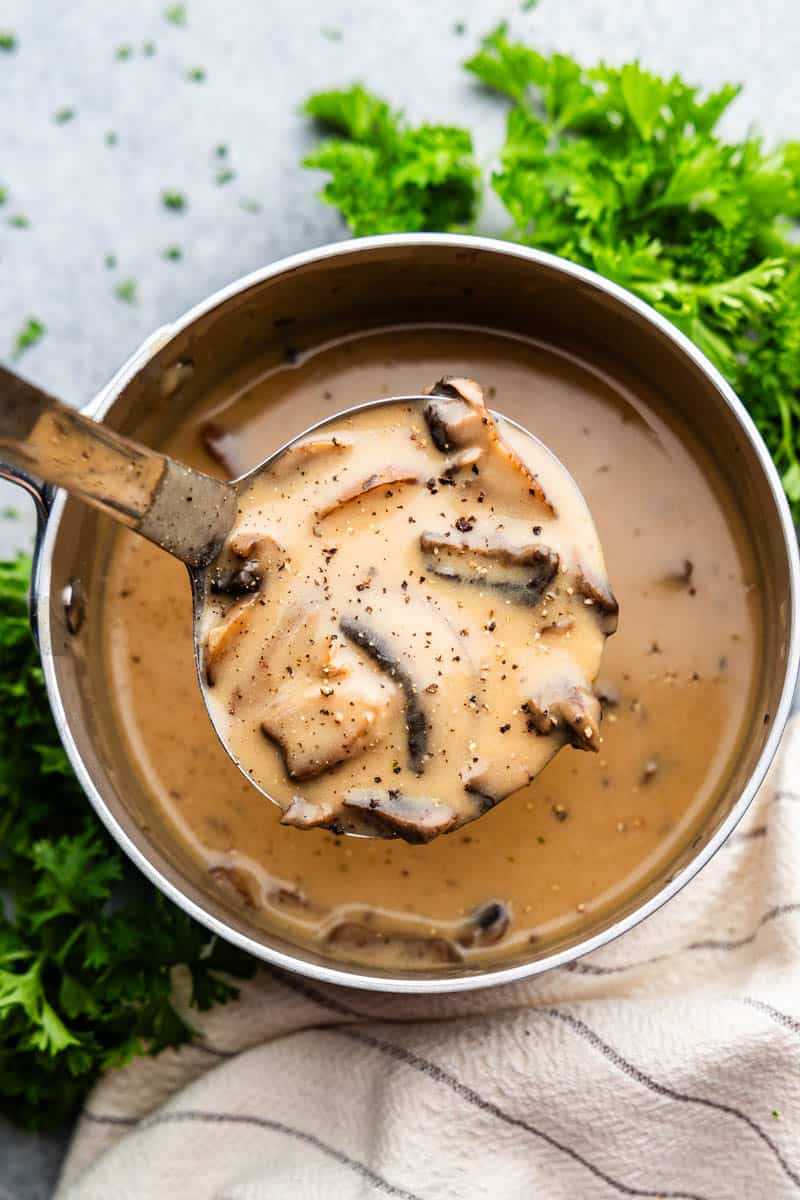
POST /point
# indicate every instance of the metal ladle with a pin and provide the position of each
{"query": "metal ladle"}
(185, 512)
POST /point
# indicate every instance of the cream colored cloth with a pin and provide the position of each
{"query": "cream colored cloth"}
(664, 1065)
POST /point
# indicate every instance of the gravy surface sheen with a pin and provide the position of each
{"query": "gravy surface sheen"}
(567, 849)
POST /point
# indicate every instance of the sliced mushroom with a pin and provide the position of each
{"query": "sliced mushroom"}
(308, 814)
(225, 448)
(486, 925)
(316, 732)
(491, 780)
(222, 638)
(355, 937)
(296, 457)
(453, 421)
(576, 713)
(601, 597)
(396, 814)
(381, 653)
(521, 572)
(391, 477)
(457, 416)
(238, 883)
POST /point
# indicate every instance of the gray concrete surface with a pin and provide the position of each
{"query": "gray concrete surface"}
(86, 200)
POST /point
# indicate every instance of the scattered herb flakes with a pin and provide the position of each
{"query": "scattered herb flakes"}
(63, 115)
(776, 1116)
(8, 42)
(10, 514)
(528, 5)
(196, 74)
(459, 28)
(332, 34)
(249, 206)
(3, 195)
(110, 262)
(386, 175)
(172, 253)
(176, 14)
(125, 290)
(148, 49)
(31, 333)
(123, 53)
(84, 985)
(19, 221)
(175, 201)
(111, 138)
(224, 175)
(221, 151)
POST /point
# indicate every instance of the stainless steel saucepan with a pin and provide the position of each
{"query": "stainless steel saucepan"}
(302, 302)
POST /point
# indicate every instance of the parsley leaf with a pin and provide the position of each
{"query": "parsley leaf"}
(176, 201)
(387, 176)
(85, 967)
(32, 332)
(126, 291)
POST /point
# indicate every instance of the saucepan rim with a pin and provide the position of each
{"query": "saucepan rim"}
(494, 975)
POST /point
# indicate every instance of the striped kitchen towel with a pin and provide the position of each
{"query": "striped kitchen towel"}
(664, 1065)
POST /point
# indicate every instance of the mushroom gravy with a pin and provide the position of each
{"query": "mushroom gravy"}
(591, 831)
(406, 620)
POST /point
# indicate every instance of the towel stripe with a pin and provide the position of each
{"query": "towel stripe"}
(221, 1118)
(582, 1029)
(465, 1092)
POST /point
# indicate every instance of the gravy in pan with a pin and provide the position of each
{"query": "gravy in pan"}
(406, 620)
(676, 682)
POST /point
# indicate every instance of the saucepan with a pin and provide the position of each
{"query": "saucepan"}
(302, 302)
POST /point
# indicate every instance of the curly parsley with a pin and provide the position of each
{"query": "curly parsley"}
(386, 176)
(622, 171)
(84, 984)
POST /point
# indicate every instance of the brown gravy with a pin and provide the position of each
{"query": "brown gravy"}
(406, 620)
(677, 677)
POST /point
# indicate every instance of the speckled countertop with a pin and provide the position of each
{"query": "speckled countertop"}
(86, 199)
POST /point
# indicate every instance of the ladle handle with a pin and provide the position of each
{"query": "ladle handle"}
(184, 511)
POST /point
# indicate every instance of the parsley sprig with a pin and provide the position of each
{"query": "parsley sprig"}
(86, 954)
(387, 176)
(624, 172)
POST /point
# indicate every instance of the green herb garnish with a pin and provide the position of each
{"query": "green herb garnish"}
(332, 34)
(196, 74)
(19, 221)
(84, 985)
(148, 49)
(176, 14)
(622, 171)
(9, 513)
(32, 332)
(249, 206)
(111, 138)
(3, 195)
(8, 42)
(110, 262)
(172, 253)
(125, 290)
(175, 201)
(62, 115)
(386, 175)
(221, 151)
(224, 175)
(123, 53)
